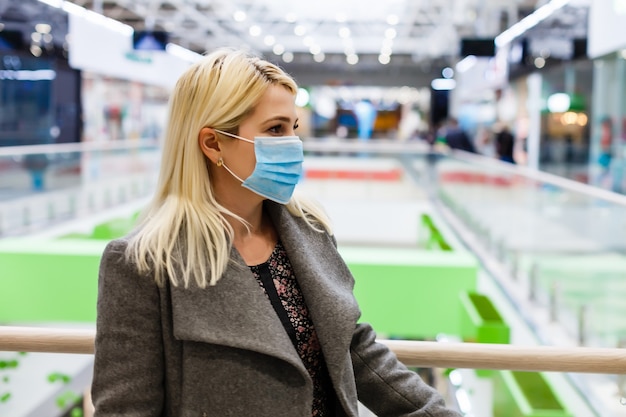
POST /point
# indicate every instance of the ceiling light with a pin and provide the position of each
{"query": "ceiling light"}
(315, 49)
(302, 97)
(344, 32)
(43, 28)
(352, 59)
(308, 41)
(390, 33)
(319, 57)
(558, 103)
(447, 72)
(384, 59)
(392, 19)
(35, 36)
(287, 57)
(239, 16)
(299, 30)
(269, 40)
(53, 3)
(255, 30)
(35, 50)
(291, 17)
(540, 62)
(466, 63)
(278, 49)
(443, 84)
(529, 21)
(340, 17)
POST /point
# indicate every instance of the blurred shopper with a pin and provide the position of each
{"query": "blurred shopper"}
(605, 156)
(505, 143)
(456, 138)
(230, 298)
(485, 142)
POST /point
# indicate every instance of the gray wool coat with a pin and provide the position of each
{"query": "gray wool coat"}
(222, 350)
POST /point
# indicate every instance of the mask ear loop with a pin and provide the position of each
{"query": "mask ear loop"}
(220, 163)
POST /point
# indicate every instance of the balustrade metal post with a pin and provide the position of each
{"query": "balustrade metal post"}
(532, 281)
(72, 205)
(51, 211)
(26, 220)
(553, 301)
(582, 324)
(514, 264)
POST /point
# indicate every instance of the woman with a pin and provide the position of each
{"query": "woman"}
(230, 298)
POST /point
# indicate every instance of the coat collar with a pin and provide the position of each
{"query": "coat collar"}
(236, 312)
(325, 281)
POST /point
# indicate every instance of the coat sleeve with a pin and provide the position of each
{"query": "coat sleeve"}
(128, 362)
(386, 386)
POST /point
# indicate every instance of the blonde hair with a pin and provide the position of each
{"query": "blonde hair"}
(183, 232)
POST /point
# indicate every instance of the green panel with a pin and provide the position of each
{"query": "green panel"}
(525, 394)
(47, 281)
(435, 238)
(410, 293)
(113, 229)
(482, 323)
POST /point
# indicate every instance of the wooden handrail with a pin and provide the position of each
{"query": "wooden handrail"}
(411, 353)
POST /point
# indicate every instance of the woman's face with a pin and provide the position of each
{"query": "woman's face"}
(274, 115)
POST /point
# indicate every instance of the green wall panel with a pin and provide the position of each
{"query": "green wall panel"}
(482, 323)
(411, 293)
(525, 394)
(49, 280)
(403, 292)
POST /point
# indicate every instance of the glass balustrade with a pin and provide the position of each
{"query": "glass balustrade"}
(548, 251)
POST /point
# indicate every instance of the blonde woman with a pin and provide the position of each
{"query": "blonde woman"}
(230, 298)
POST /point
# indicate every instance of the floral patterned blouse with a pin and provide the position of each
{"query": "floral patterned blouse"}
(277, 279)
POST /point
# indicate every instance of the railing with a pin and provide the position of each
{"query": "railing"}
(42, 185)
(554, 245)
(411, 353)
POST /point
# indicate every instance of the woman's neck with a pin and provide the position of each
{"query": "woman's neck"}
(255, 243)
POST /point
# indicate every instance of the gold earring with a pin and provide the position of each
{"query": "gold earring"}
(220, 162)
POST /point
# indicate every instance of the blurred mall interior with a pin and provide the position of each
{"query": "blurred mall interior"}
(526, 226)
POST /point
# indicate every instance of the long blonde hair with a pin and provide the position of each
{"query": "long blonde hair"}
(183, 232)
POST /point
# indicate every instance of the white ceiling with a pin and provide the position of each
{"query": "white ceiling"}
(418, 37)
(423, 28)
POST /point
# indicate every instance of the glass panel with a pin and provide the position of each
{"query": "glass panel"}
(71, 180)
(548, 252)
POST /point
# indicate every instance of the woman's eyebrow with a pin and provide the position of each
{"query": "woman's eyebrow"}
(281, 119)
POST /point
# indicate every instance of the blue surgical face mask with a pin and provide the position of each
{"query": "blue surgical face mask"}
(278, 166)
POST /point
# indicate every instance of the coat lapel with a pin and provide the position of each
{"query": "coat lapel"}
(326, 284)
(235, 312)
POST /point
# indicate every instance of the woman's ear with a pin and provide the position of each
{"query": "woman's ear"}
(209, 145)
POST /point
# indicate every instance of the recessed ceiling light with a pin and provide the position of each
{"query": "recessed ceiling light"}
(392, 19)
(239, 16)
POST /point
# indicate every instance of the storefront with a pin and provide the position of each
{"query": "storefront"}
(607, 47)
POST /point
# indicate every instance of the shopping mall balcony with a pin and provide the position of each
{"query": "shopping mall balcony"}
(499, 284)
